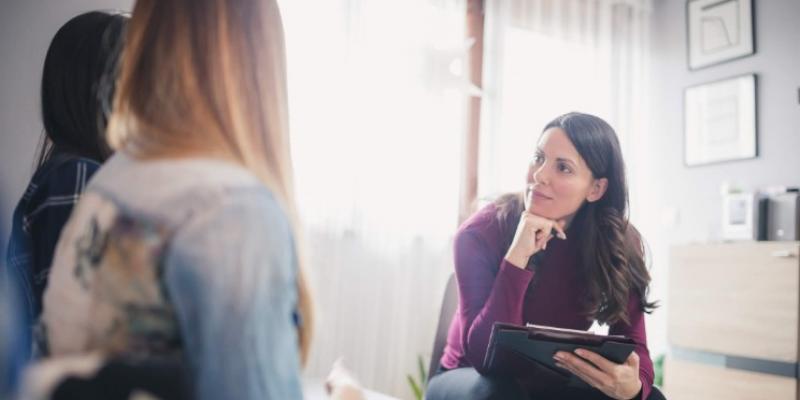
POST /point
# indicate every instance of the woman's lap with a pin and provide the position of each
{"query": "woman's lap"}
(468, 384)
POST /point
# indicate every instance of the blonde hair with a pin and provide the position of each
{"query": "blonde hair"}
(208, 77)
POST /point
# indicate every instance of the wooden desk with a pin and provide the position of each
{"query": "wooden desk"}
(733, 321)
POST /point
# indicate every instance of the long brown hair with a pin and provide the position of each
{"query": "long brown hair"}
(611, 250)
(208, 77)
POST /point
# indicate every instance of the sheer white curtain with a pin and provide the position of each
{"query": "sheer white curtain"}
(377, 107)
(543, 58)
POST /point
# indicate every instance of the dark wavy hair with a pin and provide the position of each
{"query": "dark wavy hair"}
(611, 250)
(78, 85)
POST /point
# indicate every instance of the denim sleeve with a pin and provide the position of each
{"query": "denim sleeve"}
(231, 275)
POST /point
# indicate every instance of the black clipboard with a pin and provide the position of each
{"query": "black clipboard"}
(513, 349)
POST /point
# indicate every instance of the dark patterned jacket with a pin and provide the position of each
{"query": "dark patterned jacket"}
(38, 219)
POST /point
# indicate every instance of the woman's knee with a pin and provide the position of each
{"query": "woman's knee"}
(466, 383)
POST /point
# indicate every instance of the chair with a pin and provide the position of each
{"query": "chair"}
(449, 305)
(448, 309)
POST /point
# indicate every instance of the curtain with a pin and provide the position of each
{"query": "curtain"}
(544, 58)
(377, 110)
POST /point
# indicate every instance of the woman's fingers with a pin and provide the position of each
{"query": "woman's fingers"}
(543, 243)
(619, 381)
(596, 359)
(633, 360)
(588, 379)
(583, 369)
(547, 225)
(533, 234)
(542, 229)
(558, 226)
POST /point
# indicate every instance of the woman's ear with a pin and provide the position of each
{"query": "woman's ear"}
(598, 189)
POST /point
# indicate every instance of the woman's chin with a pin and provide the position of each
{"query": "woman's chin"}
(542, 211)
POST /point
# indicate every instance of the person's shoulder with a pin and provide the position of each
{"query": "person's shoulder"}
(64, 170)
(83, 162)
(59, 182)
(175, 186)
(239, 226)
(257, 202)
(242, 199)
(239, 208)
(482, 222)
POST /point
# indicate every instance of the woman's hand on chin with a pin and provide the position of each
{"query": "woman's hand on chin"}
(533, 233)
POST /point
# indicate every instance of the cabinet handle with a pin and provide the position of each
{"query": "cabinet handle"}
(784, 254)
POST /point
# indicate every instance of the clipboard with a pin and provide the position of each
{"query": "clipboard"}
(515, 349)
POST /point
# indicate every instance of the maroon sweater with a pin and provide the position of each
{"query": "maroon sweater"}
(493, 290)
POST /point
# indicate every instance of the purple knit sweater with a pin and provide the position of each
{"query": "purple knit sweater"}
(493, 290)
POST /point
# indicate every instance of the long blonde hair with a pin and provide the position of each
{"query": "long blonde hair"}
(208, 77)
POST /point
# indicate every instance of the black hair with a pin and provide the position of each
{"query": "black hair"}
(78, 85)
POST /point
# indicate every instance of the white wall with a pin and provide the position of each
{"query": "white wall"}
(26, 27)
(694, 193)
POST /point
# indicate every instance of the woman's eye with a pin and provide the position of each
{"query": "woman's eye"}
(564, 168)
(537, 159)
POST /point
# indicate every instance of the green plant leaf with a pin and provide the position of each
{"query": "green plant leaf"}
(658, 366)
(414, 387)
(423, 376)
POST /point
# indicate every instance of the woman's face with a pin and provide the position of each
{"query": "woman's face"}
(559, 180)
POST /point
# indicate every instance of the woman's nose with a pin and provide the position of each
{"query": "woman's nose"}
(540, 175)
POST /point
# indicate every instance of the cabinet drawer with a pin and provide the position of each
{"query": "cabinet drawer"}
(685, 380)
(736, 298)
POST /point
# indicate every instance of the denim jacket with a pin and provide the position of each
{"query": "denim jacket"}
(189, 258)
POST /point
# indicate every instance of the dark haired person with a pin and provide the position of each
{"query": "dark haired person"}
(562, 253)
(77, 84)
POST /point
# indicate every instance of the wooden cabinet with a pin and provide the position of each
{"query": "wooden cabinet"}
(686, 380)
(734, 309)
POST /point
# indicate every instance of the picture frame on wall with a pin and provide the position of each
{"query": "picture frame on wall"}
(720, 121)
(719, 31)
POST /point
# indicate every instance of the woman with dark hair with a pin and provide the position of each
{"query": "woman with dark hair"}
(510, 269)
(77, 84)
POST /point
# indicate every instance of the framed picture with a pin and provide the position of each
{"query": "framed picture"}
(720, 121)
(718, 31)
